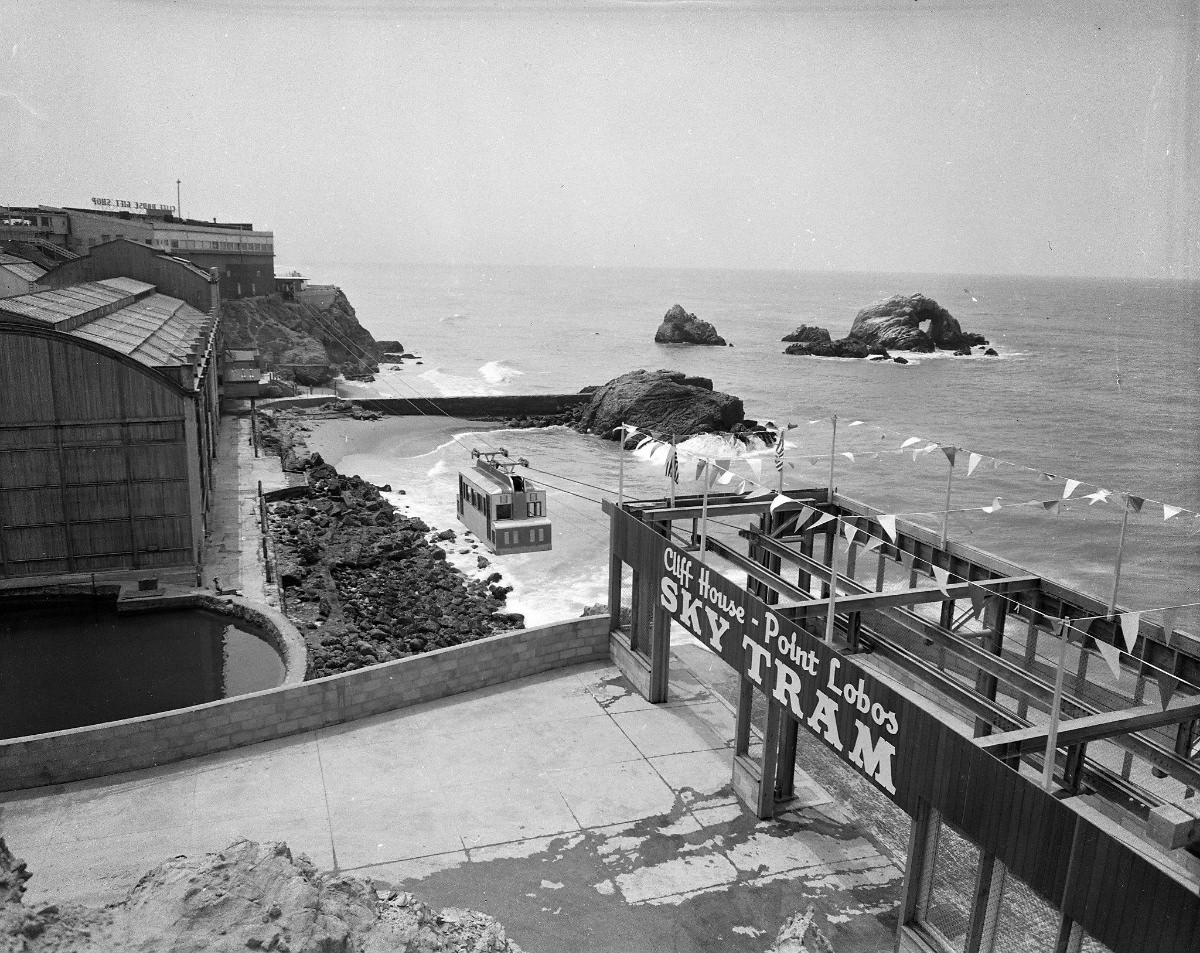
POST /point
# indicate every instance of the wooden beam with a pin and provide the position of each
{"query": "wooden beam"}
(756, 570)
(677, 512)
(1093, 727)
(909, 597)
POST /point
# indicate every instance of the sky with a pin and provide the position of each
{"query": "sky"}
(1020, 137)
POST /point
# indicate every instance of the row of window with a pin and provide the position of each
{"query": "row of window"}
(513, 537)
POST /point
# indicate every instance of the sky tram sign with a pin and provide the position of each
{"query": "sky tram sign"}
(850, 710)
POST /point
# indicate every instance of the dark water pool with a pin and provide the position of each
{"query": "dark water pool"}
(73, 664)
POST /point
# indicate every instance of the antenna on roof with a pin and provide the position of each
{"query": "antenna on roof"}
(178, 202)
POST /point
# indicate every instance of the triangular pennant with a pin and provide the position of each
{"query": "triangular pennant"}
(1129, 628)
(1134, 502)
(817, 421)
(993, 508)
(849, 530)
(824, 518)
(742, 487)
(642, 443)
(973, 462)
(725, 478)
(888, 524)
(906, 560)
(942, 578)
(930, 448)
(1169, 511)
(755, 465)
(872, 456)
(951, 453)
(805, 513)
(873, 543)
(1169, 617)
(701, 465)
(978, 600)
(1059, 625)
(1070, 488)
(1112, 655)
(1046, 477)
(909, 442)
(813, 461)
(779, 500)
(849, 456)
(1051, 506)
(1098, 497)
(792, 426)
(856, 423)
(1166, 687)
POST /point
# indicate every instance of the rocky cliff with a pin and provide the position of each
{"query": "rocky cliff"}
(315, 340)
(896, 324)
(668, 401)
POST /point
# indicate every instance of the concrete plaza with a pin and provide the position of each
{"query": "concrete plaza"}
(565, 805)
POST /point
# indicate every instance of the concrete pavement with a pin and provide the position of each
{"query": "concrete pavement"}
(580, 815)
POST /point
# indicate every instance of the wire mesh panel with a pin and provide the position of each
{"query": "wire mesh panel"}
(952, 884)
(1025, 922)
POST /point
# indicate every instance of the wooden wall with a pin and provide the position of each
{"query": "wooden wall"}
(93, 460)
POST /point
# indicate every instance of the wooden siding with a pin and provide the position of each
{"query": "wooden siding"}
(93, 460)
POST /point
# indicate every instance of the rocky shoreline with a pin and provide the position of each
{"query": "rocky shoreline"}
(364, 583)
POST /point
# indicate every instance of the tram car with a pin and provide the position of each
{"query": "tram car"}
(502, 508)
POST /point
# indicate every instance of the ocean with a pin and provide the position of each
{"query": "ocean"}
(1096, 381)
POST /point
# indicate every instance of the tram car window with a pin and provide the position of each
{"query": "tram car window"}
(503, 509)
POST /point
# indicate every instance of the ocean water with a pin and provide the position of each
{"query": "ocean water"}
(1097, 381)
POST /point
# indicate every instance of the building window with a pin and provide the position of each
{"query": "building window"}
(228, 272)
(215, 245)
(174, 242)
(535, 508)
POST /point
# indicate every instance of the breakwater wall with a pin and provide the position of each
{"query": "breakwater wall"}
(134, 743)
(470, 408)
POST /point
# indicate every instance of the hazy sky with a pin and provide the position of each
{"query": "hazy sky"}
(1050, 136)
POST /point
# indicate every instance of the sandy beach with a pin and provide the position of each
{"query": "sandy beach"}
(335, 436)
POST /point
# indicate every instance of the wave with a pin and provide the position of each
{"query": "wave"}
(450, 385)
(496, 372)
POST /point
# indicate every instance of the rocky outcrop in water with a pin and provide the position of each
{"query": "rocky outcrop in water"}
(247, 897)
(806, 335)
(314, 343)
(896, 324)
(679, 327)
(666, 401)
(846, 347)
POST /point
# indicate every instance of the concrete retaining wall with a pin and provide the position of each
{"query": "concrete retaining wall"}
(152, 740)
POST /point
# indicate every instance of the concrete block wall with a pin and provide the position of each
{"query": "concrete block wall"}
(162, 738)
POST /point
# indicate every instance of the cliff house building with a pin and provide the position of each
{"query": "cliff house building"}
(108, 415)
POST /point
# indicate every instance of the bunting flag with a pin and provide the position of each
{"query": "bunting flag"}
(888, 524)
(849, 530)
(727, 477)
(779, 500)
(993, 508)
(1134, 502)
(973, 462)
(1070, 488)
(942, 578)
(824, 518)
(701, 465)
(1112, 655)
(873, 543)
(1166, 687)
(779, 453)
(813, 461)
(1052, 506)
(906, 560)
(1129, 628)
(978, 600)
(1169, 617)
(755, 464)
(742, 487)
(1100, 496)
(856, 423)
(642, 443)
(671, 467)
(929, 449)
(909, 442)
(849, 456)
(1046, 477)
(951, 453)
(1169, 511)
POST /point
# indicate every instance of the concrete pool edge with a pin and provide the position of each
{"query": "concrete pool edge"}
(151, 740)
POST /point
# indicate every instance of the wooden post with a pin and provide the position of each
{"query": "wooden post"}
(621, 471)
(1112, 601)
(832, 456)
(833, 580)
(674, 459)
(1055, 707)
(779, 459)
(949, 486)
(704, 514)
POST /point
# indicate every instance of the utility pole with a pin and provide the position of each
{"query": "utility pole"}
(178, 203)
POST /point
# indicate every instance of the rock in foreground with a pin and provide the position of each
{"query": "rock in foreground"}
(679, 327)
(247, 897)
(896, 324)
(666, 401)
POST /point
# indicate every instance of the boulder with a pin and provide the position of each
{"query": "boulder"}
(806, 335)
(896, 323)
(846, 347)
(667, 401)
(679, 327)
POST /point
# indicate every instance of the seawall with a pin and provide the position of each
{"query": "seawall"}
(469, 408)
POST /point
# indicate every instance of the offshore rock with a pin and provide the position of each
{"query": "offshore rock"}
(249, 897)
(666, 401)
(846, 347)
(896, 323)
(679, 327)
(806, 335)
(314, 339)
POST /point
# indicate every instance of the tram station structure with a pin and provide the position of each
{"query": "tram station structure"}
(1052, 806)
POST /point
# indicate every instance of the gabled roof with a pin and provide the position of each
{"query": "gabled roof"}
(123, 314)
